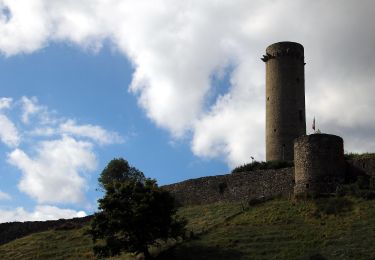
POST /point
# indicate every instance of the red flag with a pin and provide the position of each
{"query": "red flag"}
(313, 125)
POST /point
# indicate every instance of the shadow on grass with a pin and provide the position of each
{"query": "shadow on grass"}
(200, 252)
(334, 206)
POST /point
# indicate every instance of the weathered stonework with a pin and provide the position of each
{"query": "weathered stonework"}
(252, 185)
(319, 158)
(285, 99)
(363, 165)
(242, 186)
(319, 164)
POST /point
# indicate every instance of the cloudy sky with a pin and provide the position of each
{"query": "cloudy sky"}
(174, 87)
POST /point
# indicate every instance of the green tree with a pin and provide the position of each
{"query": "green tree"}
(119, 170)
(134, 214)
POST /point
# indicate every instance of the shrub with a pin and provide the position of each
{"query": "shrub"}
(358, 189)
(350, 156)
(262, 166)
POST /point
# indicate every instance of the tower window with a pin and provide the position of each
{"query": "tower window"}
(268, 98)
(274, 129)
(300, 115)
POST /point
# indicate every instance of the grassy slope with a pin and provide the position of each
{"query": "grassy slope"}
(76, 244)
(281, 229)
(53, 244)
(278, 229)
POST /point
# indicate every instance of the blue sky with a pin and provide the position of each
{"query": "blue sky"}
(174, 87)
(91, 88)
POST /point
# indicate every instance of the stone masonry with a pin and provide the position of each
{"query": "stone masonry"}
(285, 99)
(251, 185)
(243, 186)
(319, 164)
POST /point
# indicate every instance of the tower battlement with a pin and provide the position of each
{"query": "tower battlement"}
(284, 49)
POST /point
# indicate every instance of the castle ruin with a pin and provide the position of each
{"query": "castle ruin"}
(285, 99)
(319, 163)
(318, 158)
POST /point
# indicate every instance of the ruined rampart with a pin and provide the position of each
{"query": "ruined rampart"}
(246, 186)
(242, 186)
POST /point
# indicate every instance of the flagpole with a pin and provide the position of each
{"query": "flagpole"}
(313, 125)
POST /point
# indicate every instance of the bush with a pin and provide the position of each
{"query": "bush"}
(367, 194)
(350, 156)
(262, 166)
(358, 189)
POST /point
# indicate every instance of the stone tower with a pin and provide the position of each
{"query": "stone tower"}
(285, 99)
(319, 164)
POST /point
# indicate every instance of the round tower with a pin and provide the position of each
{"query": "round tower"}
(285, 99)
(319, 164)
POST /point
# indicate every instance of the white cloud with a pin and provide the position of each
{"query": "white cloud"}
(8, 132)
(60, 151)
(177, 46)
(43, 131)
(40, 213)
(4, 196)
(5, 102)
(93, 132)
(29, 107)
(26, 30)
(223, 131)
(54, 174)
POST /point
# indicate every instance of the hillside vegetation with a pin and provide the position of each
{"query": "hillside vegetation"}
(330, 228)
(255, 166)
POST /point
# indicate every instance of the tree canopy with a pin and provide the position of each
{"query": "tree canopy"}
(134, 213)
(119, 170)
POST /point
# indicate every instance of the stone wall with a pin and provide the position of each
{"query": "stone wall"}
(242, 186)
(245, 186)
(362, 165)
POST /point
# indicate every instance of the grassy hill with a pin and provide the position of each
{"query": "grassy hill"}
(330, 228)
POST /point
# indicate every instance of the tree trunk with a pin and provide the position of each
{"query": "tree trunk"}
(146, 254)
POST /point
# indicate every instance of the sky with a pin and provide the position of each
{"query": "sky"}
(174, 87)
